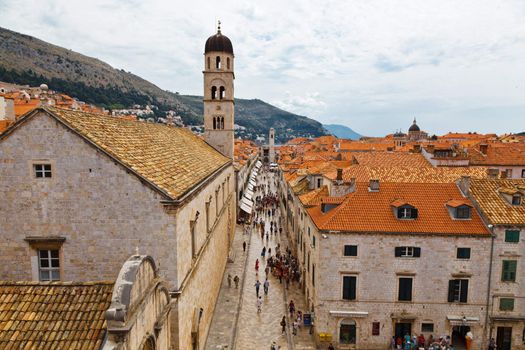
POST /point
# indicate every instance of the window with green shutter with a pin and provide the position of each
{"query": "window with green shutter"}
(506, 304)
(508, 273)
(512, 236)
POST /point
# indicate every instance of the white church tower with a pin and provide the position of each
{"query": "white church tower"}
(271, 145)
(218, 93)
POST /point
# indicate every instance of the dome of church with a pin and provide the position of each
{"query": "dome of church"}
(414, 127)
(218, 42)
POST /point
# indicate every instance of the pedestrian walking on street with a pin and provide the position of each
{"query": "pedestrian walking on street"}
(266, 286)
(259, 305)
(244, 247)
(229, 281)
(236, 280)
(257, 265)
(257, 286)
(331, 347)
(283, 325)
(266, 270)
(291, 306)
(263, 252)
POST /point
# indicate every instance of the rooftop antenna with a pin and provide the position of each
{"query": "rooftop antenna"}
(136, 250)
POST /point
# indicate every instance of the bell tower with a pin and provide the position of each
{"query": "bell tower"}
(218, 93)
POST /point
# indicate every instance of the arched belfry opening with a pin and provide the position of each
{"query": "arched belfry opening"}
(218, 62)
(213, 92)
(222, 92)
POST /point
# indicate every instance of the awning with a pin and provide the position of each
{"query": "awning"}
(342, 313)
(250, 186)
(461, 320)
(249, 194)
(252, 182)
(258, 164)
(247, 201)
(246, 208)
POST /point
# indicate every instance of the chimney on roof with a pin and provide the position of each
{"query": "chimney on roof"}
(492, 173)
(339, 177)
(373, 185)
(483, 148)
(464, 184)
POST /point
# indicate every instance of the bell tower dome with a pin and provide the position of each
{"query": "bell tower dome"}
(218, 93)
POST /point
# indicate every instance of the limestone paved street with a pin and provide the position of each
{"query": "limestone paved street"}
(247, 329)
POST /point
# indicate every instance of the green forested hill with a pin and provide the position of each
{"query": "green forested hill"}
(27, 60)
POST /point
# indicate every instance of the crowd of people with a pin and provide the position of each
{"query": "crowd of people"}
(420, 342)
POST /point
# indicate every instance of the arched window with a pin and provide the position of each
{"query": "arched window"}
(347, 332)
(227, 63)
(222, 92)
(218, 62)
(213, 92)
(214, 123)
(222, 123)
(208, 63)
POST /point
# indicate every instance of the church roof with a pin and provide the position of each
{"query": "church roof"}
(414, 126)
(218, 42)
(171, 159)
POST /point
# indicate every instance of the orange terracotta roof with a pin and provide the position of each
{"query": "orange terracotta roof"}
(364, 211)
(498, 154)
(363, 173)
(493, 204)
(454, 203)
(314, 197)
(384, 159)
(57, 315)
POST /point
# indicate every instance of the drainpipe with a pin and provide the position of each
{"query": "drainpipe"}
(485, 338)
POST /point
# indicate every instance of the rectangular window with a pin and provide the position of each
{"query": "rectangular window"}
(313, 275)
(463, 253)
(408, 252)
(427, 328)
(457, 291)
(349, 287)
(523, 173)
(509, 173)
(516, 200)
(463, 212)
(376, 326)
(508, 271)
(49, 265)
(506, 304)
(42, 170)
(512, 236)
(405, 289)
(313, 241)
(350, 250)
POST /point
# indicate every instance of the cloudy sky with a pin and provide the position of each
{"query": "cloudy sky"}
(372, 65)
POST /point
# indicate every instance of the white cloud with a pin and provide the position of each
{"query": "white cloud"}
(376, 63)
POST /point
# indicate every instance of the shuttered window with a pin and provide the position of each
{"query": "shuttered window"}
(508, 273)
(512, 236)
(405, 289)
(458, 291)
(410, 252)
(350, 250)
(349, 287)
(506, 304)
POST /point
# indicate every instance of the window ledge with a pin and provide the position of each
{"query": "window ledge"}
(45, 240)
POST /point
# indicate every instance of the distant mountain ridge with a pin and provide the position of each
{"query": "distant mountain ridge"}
(28, 60)
(342, 131)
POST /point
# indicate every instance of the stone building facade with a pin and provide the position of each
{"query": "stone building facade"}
(502, 205)
(334, 253)
(115, 186)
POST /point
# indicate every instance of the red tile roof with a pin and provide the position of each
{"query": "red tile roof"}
(364, 211)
